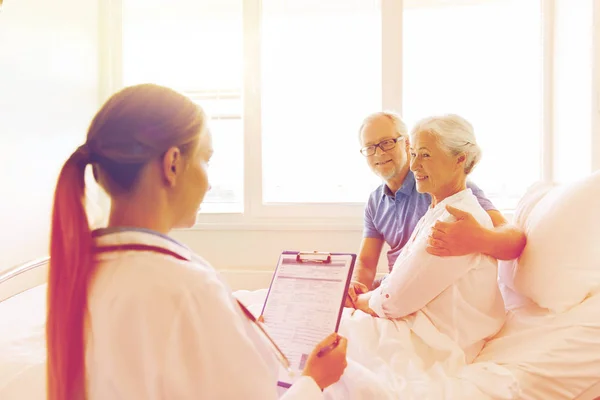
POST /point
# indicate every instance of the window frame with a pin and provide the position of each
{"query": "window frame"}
(391, 99)
(255, 213)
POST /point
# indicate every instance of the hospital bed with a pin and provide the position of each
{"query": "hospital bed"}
(553, 351)
(22, 324)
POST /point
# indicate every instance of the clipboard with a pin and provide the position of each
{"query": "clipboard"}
(304, 302)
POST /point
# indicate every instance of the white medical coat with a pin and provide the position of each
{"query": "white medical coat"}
(164, 328)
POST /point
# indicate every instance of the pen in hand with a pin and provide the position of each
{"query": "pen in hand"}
(351, 301)
(329, 348)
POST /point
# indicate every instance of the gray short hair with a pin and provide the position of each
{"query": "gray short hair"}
(455, 135)
(394, 117)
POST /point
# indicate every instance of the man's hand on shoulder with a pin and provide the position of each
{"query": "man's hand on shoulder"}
(457, 238)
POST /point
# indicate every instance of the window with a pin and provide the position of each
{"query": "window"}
(288, 82)
(173, 44)
(573, 90)
(472, 65)
(321, 75)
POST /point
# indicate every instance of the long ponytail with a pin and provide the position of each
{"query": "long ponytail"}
(71, 269)
(134, 126)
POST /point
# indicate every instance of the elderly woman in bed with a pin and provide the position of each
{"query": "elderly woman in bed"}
(459, 295)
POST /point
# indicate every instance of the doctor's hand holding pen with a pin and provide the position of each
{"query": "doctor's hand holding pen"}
(327, 362)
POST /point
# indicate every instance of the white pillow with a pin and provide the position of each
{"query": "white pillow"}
(560, 265)
(507, 269)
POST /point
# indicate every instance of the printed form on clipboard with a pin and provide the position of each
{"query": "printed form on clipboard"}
(304, 304)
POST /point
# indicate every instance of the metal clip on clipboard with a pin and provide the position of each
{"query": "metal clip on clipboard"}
(313, 256)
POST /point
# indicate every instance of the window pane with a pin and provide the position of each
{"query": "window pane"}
(227, 164)
(173, 43)
(321, 75)
(225, 169)
(465, 59)
(573, 90)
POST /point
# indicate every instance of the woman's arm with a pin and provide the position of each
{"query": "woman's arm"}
(416, 280)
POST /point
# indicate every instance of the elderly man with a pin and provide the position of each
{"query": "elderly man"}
(395, 207)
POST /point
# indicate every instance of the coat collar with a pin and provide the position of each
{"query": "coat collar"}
(119, 236)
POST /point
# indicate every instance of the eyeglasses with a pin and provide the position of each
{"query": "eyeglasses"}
(384, 145)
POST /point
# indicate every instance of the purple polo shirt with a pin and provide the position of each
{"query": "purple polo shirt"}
(393, 218)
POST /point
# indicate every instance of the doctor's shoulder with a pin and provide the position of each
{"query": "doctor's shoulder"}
(163, 275)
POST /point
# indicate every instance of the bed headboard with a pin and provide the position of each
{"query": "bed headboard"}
(23, 277)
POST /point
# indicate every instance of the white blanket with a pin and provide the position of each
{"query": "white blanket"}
(407, 359)
(410, 359)
(552, 357)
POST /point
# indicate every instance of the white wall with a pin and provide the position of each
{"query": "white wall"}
(247, 258)
(48, 94)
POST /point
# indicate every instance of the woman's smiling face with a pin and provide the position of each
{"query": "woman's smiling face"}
(436, 171)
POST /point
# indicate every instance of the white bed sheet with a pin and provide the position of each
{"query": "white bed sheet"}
(383, 363)
(22, 345)
(553, 357)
